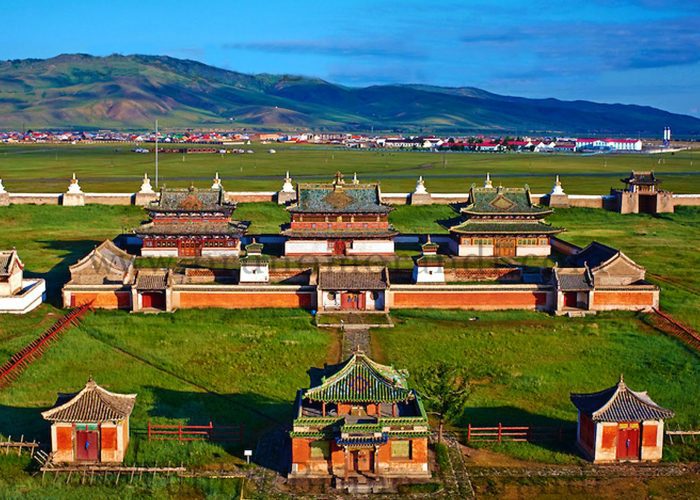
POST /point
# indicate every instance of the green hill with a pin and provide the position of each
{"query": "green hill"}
(82, 91)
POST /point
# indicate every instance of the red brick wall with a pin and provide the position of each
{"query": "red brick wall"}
(301, 451)
(609, 437)
(476, 300)
(245, 300)
(624, 298)
(103, 300)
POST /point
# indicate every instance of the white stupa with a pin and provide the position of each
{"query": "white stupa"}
(74, 187)
(354, 179)
(146, 187)
(420, 186)
(217, 182)
(557, 189)
(287, 187)
(2, 188)
(487, 182)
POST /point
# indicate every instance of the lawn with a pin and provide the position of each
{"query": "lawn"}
(112, 167)
(524, 365)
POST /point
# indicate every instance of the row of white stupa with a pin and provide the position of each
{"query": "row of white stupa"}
(287, 187)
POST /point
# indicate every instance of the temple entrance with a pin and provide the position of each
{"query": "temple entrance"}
(647, 203)
(362, 460)
(628, 441)
(352, 301)
(87, 445)
(189, 248)
(339, 247)
(153, 300)
(504, 247)
(570, 299)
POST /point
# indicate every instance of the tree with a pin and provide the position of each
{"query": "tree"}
(445, 389)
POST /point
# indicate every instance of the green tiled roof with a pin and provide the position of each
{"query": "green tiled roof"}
(191, 199)
(361, 380)
(512, 228)
(500, 200)
(337, 198)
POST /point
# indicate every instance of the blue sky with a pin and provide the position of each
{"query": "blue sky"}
(628, 51)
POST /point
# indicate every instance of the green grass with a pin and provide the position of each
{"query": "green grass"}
(524, 365)
(110, 168)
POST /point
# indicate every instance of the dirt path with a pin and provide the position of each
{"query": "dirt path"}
(354, 338)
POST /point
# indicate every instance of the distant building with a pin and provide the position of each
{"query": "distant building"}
(502, 222)
(339, 219)
(191, 223)
(90, 426)
(642, 195)
(614, 144)
(619, 424)
(360, 422)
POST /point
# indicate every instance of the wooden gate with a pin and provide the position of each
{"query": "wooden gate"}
(189, 248)
(87, 445)
(504, 247)
(339, 247)
(153, 300)
(354, 301)
(628, 436)
(362, 460)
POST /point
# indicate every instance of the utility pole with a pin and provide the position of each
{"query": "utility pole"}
(156, 154)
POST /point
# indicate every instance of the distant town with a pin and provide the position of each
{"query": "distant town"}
(476, 143)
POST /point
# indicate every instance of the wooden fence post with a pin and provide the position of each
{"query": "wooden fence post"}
(179, 432)
(500, 431)
(469, 432)
(149, 430)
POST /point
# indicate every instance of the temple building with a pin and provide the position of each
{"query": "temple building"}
(429, 267)
(642, 195)
(17, 294)
(619, 424)
(339, 219)
(90, 426)
(103, 277)
(502, 222)
(191, 223)
(599, 277)
(352, 289)
(360, 422)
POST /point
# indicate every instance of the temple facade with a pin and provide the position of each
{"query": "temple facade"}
(17, 294)
(90, 426)
(352, 289)
(620, 425)
(642, 194)
(339, 218)
(191, 223)
(360, 421)
(502, 222)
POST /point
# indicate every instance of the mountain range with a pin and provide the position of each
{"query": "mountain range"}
(129, 92)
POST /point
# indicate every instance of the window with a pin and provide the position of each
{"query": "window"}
(331, 296)
(320, 450)
(401, 449)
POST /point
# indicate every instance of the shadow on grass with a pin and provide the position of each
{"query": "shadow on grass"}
(548, 433)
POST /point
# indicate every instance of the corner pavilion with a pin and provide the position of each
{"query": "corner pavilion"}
(618, 424)
(90, 426)
(360, 421)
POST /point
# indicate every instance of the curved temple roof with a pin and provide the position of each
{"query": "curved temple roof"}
(619, 404)
(93, 404)
(361, 380)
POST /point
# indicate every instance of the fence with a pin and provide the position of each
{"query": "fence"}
(681, 435)
(526, 433)
(210, 432)
(11, 369)
(20, 446)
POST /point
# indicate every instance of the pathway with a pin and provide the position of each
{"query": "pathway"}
(356, 337)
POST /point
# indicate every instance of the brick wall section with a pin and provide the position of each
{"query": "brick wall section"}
(623, 299)
(249, 300)
(494, 300)
(103, 300)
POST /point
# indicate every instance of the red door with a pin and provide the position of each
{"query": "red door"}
(339, 247)
(189, 248)
(362, 460)
(349, 300)
(570, 299)
(87, 443)
(628, 441)
(154, 300)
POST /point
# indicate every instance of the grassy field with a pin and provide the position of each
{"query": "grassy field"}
(108, 168)
(524, 365)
